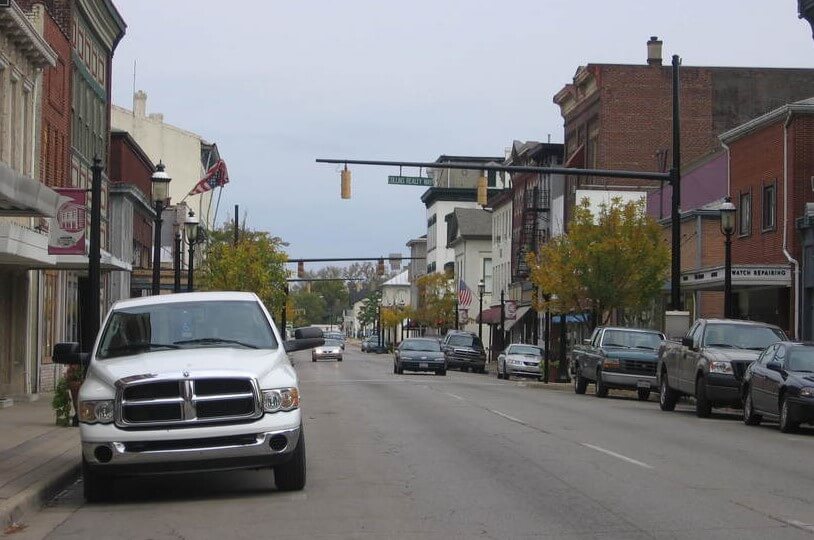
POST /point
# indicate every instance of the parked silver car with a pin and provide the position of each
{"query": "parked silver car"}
(521, 360)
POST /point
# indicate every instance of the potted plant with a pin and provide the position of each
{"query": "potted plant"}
(61, 402)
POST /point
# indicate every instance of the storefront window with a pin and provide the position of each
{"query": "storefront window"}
(745, 214)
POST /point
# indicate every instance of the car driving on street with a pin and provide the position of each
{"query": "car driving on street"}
(780, 385)
(189, 382)
(419, 354)
(520, 360)
(332, 349)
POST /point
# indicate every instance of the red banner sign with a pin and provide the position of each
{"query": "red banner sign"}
(67, 233)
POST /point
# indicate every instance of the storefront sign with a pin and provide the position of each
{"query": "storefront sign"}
(67, 232)
(510, 310)
(742, 276)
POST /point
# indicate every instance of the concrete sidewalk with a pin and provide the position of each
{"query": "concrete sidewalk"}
(37, 458)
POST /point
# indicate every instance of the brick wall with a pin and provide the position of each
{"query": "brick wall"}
(56, 107)
(756, 161)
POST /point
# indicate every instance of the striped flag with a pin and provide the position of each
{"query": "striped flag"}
(216, 176)
(464, 295)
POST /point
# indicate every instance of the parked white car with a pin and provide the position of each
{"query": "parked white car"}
(520, 360)
(190, 382)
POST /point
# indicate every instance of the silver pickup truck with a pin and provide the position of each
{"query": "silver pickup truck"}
(623, 358)
(710, 361)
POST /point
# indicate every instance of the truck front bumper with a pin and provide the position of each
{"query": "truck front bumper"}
(724, 389)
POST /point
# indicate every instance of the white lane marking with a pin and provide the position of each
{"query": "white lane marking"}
(455, 396)
(618, 456)
(507, 417)
(799, 524)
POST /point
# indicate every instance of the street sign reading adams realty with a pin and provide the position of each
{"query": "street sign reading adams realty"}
(410, 181)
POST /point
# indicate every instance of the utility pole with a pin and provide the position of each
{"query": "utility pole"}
(675, 181)
(237, 230)
(94, 257)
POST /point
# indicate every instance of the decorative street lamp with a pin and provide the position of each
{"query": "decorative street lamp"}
(161, 185)
(727, 210)
(481, 289)
(192, 229)
(805, 9)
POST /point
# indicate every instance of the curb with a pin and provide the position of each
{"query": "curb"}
(34, 497)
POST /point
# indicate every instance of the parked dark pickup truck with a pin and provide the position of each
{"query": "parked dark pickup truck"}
(710, 362)
(622, 358)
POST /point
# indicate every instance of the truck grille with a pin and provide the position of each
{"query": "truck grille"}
(639, 367)
(148, 402)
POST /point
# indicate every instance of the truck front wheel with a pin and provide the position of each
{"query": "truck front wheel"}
(290, 476)
(703, 406)
(96, 486)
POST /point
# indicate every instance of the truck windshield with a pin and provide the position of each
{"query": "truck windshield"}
(741, 336)
(465, 341)
(631, 340)
(177, 325)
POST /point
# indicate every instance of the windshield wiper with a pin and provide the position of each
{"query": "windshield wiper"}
(645, 347)
(139, 346)
(208, 340)
(755, 348)
(724, 345)
(615, 345)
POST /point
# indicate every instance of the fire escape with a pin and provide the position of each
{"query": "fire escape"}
(535, 224)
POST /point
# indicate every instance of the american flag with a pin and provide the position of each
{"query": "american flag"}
(464, 295)
(216, 176)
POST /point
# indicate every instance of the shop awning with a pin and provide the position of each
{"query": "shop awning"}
(490, 316)
(80, 262)
(23, 196)
(521, 312)
(21, 246)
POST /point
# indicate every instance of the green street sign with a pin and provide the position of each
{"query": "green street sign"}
(409, 181)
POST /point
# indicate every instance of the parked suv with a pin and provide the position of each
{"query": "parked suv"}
(464, 350)
(189, 382)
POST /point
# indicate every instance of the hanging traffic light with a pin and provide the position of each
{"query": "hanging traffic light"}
(300, 269)
(482, 191)
(346, 183)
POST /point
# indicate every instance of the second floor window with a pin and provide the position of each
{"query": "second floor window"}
(745, 214)
(769, 206)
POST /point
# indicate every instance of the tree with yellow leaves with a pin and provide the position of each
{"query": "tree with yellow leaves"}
(614, 260)
(436, 302)
(256, 264)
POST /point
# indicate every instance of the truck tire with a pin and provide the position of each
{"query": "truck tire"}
(703, 406)
(600, 390)
(667, 396)
(96, 486)
(580, 382)
(290, 476)
(750, 417)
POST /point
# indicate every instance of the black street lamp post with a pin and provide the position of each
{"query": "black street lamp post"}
(176, 283)
(727, 210)
(94, 257)
(192, 229)
(481, 289)
(160, 184)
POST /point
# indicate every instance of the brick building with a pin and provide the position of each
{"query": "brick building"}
(771, 178)
(620, 116)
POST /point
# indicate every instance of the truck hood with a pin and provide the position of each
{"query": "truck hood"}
(731, 355)
(200, 361)
(624, 353)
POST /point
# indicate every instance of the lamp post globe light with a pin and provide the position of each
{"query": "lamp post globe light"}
(160, 186)
(805, 9)
(192, 230)
(727, 210)
(481, 289)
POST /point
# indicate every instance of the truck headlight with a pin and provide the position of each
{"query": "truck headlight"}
(611, 363)
(807, 392)
(281, 399)
(721, 367)
(97, 411)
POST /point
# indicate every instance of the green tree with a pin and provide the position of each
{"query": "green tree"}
(308, 308)
(256, 264)
(369, 313)
(436, 301)
(614, 261)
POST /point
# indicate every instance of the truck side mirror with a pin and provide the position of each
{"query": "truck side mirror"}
(304, 338)
(69, 353)
(586, 341)
(687, 342)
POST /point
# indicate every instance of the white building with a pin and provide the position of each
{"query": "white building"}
(396, 294)
(24, 201)
(470, 237)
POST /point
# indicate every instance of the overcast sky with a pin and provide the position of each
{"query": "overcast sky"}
(278, 84)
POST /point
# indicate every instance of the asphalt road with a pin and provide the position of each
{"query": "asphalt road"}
(469, 456)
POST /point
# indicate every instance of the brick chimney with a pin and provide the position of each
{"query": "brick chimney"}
(654, 51)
